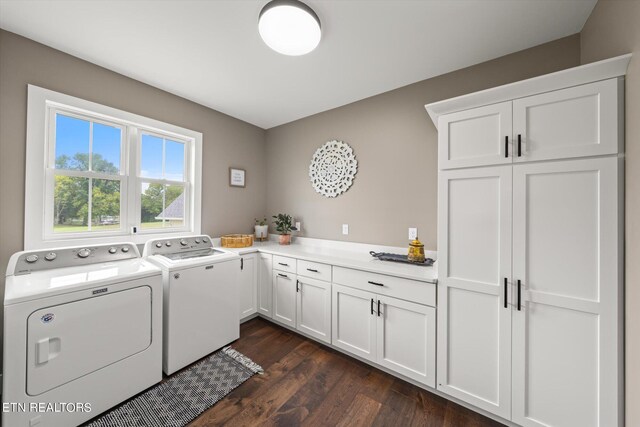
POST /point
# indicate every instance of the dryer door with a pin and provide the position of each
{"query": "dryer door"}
(71, 340)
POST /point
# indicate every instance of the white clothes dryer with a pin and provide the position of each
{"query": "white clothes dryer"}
(82, 333)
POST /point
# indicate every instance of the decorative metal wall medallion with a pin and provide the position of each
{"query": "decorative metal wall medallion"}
(333, 168)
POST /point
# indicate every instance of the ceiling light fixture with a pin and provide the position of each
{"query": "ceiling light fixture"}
(289, 27)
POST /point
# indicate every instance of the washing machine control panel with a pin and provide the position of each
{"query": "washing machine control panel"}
(47, 259)
(178, 244)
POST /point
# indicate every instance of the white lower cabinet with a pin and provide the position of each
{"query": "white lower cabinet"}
(406, 338)
(313, 315)
(397, 334)
(265, 286)
(284, 298)
(248, 280)
(353, 321)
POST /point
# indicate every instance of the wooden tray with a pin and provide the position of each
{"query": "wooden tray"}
(236, 240)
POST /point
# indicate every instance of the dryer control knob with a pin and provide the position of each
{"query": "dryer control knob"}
(183, 242)
(125, 249)
(50, 256)
(204, 240)
(197, 240)
(113, 250)
(158, 245)
(83, 253)
(32, 258)
(168, 244)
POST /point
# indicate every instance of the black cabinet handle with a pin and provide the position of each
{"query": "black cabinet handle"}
(371, 305)
(283, 264)
(297, 285)
(505, 292)
(312, 270)
(378, 308)
(506, 146)
(241, 263)
(283, 275)
(375, 283)
(519, 145)
(519, 292)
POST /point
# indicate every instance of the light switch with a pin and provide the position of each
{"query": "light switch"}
(413, 233)
(345, 229)
(298, 225)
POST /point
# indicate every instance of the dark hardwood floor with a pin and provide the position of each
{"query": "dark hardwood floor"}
(306, 383)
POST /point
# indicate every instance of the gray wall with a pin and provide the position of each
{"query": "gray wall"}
(614, 29)
(395, 144)
(226, 141)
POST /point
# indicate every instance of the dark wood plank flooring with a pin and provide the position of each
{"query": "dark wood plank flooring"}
(306, 383)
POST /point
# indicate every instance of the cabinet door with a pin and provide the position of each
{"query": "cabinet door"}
(566, 338)
(265, 287)
(314, 308)
(575, 122)
(354, 321)
(476, 137)
(284, 298)
(474, 317)
(407, 338)
(248, 285)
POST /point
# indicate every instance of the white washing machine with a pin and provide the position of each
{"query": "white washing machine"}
(82, 333)
(200, 304)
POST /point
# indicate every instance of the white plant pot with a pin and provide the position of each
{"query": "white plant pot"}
(262, 231)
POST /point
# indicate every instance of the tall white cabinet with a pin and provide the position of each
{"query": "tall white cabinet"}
(530, 248)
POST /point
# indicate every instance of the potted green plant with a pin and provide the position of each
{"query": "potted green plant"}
(261, 229)
(284, 226)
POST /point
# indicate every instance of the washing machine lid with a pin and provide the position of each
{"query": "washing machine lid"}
(188, 261)
(46, 283)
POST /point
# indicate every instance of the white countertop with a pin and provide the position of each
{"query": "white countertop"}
(359, 260)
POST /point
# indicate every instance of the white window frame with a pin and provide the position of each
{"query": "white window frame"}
(42, 106)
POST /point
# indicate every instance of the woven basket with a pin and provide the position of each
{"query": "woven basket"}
(237, 240)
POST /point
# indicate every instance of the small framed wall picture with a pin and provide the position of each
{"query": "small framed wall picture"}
(237, 177)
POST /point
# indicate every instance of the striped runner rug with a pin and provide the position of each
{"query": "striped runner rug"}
(184, 395)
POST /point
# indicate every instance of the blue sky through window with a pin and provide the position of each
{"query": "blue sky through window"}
(73, 134)
(151, 166)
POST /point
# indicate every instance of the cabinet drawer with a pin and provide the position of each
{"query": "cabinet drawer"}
(406, 289)
(284, 263)
(315, 270)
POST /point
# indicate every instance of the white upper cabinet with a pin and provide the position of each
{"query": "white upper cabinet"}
(476, 137)
(565, 268)
(579, 121)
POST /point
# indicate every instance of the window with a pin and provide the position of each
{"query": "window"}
(108, 175)
(84, 174)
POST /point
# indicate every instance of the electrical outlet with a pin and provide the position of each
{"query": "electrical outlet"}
(345, 229)
(413, 233)
(298, 225)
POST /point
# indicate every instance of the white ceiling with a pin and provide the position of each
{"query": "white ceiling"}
(210, 51)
